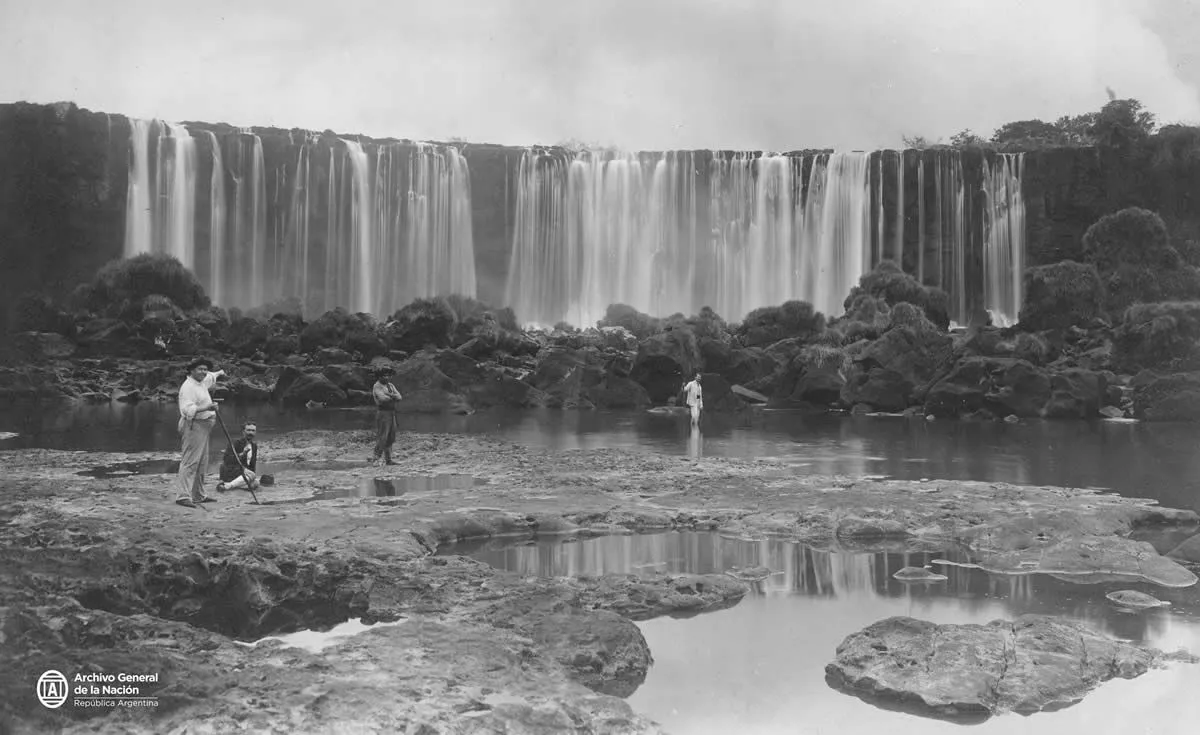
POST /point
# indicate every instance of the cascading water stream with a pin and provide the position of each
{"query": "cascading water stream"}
(217, 224)
(175, 200)
(138, 215)
(603, 229)
(371, 226)
(160, 209)
(1003, 238)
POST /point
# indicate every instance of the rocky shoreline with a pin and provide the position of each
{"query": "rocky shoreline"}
(107, 574)
(893, 350)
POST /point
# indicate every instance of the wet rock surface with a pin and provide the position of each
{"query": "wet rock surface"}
(1027, 665)
(104, 570)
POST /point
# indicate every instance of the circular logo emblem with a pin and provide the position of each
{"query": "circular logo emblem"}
(52, 689)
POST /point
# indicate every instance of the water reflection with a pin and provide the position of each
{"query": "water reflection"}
(1146, 460)
(759, 667)
(800, 570)
(696, 442)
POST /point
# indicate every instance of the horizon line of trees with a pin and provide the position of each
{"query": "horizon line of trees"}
(1121, 123)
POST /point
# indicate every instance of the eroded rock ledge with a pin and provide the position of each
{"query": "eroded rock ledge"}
(108, 574)
(1027, 665)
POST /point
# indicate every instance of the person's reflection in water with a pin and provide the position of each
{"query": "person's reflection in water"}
(695, 442)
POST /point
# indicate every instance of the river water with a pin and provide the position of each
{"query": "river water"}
(1160, 461)
(759, 667)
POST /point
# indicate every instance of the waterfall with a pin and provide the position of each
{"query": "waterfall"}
(841, 249)
(258, 213)
(160, 206)
(297, 242)
(370, 226)
(440, 244)
(538, 280)
(244, 272)
(898, 254)
(138, 217)
(398, 226)
(216, 228)
(608, 228)
(175, 201)
(1003, 238)
(362, 247)
(921, 232)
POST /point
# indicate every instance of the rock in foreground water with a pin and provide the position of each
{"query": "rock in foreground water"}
(1027, 665)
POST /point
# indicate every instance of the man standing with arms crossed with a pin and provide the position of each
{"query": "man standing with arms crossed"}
(197, 416)
(386, 397)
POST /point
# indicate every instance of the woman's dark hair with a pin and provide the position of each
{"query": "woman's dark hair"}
(198, 362)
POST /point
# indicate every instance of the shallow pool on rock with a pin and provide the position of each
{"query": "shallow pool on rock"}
(386, 486)
(759, 667)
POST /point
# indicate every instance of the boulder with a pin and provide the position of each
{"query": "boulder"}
(331, 356)
(247, 336)
(1075, 393)
(666, 361)
(1030, 664)
(43, 346)
(295, 387)
(1167, 397)
(898, 368)
(964, 390)
(1021, 390)
(719, 396)
(349, 377)
(599, 649)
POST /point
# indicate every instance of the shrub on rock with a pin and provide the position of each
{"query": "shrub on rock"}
(866, 318)
(423, 323)
(1132, 236)
(340, 328)
(35, 312)
(1164, 335)
(790, 319)
(1132, 251)
(707, 325)
(1061, 295)
(1167, 397)
(623, 315)
(120, 287)
(889, 282)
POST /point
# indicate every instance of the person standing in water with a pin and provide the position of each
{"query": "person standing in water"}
(386, 397)
(197, 416)
(695, 398)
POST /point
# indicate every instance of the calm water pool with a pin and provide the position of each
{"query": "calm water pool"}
(758, 667)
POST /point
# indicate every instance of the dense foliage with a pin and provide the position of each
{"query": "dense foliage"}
(772, 323)
(121, 287)
(888, 282)
(1060, 295)
(1132, 253)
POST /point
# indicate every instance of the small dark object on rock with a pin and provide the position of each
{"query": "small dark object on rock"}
(266, 480)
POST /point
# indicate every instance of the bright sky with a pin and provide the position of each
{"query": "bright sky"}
(650, 74)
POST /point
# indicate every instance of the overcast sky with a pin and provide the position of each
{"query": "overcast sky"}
(651, 74)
